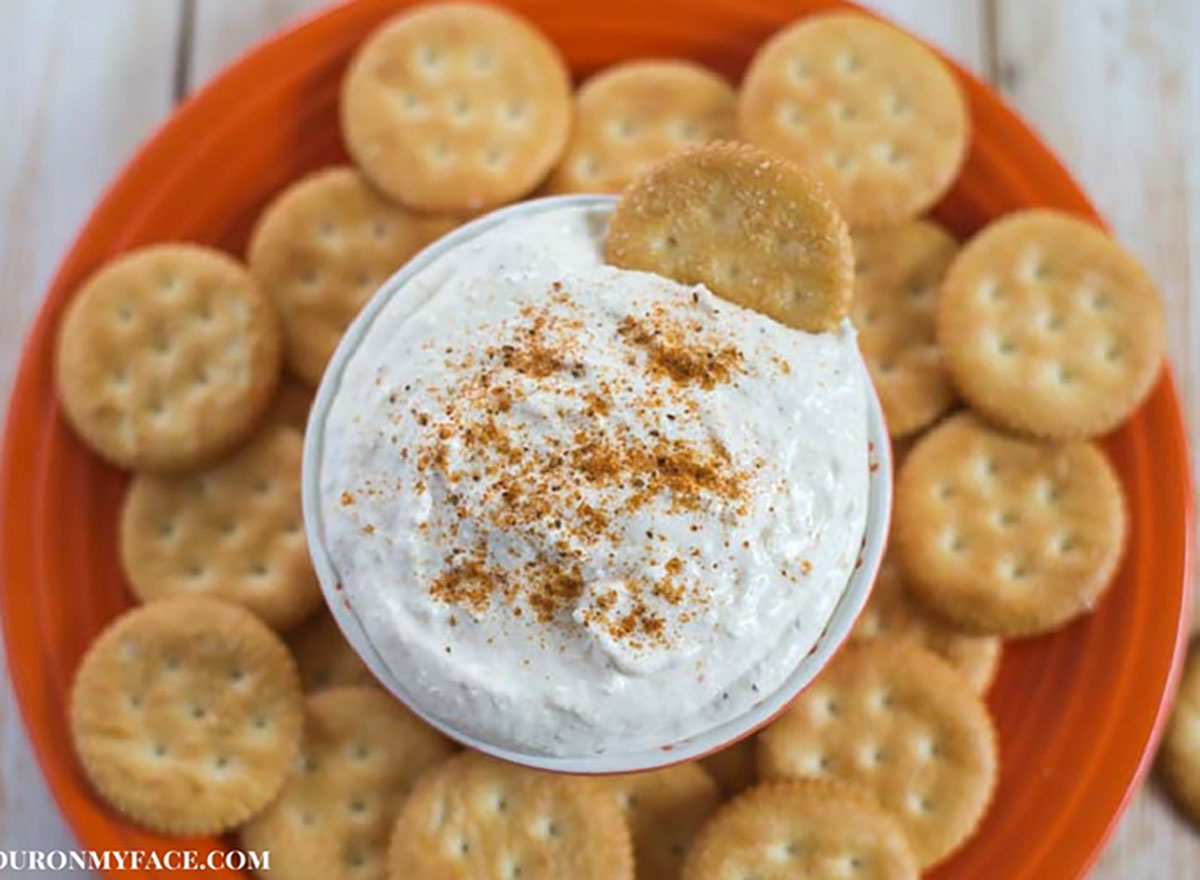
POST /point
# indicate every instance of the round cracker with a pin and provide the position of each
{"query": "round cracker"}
(751, 227)
(632, 114)
(1180, 758)
(999, 534)
(898, 722)
(167, 357)
(456, 107)
(896, 276)
(186, 715)
(475, 816)
(664, 808)
(324, 657)
(818, 830)
(321, 248)
(233, 531)
(733, 766)
(892, 613)
(360, 755)
(875, 114)
(1049, 327)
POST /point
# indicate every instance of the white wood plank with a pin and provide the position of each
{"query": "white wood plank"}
(957, 27)
(1114, 85)
(80, 88)
(224, 29)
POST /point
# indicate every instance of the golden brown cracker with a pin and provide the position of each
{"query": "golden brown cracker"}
(360, 755)
(456, 107)
(812, 829)
(875, 114)
(892, 613)
(733, 766)
(324, 657)
(167, 357)
(752, 228)
(634, 113)
(1003, 535)
(186, 715)
(476, 817)
(664, 808)
(321, 248)
(1049, 327)
(232, 531)
(898, 722)
(1180, 756)
(896, 275)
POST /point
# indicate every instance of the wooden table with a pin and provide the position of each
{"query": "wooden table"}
(1114, 85)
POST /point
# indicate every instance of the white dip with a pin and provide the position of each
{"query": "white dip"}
(578, 508)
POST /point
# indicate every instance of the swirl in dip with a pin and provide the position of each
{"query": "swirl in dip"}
(578, 508)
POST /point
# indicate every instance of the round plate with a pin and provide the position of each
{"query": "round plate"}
(1078, 712)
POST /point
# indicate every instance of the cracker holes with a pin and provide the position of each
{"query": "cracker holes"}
(783, 852)
(545, 828)
(684, 131)
(919, 804)
(124, 313)
(498, 801)
(925, 748)
(429, 60)
(1061, 374)
(380, 229)
(195, 570)
(1014, 571)
(460, 109)
(171, 664)
(799, 71)
(355, 859)
(197, 713)
(360, 751)
(308, 820)
(357, 807)
(309, 276)
(1003, 520)
(439, 152)
(510, 869)
(790, 116)
(326, 229)
(166, 530)
(162, 346)
(259, 570)
(954, 543)
(120, 378)
(842, 111)
(1111, 352)
(880, 700)
(989, 291)
(482, 61)
(895, 105)
(220, 764)
(587, 167)
(872, 756)
(158, 750)
(1047, 493)
(627, 800)
(1098, 302)
(1050, 321)
(459, 846)
(889, 154)
(237, 675)
(516, 113)
(263, 487)
(847, 63)
(495, 158)
(228, 528)
(1063, 544)
(411, 104)
(135, 701)
(621, 130)
(839, 160)
(815, 764)
(1006, 346)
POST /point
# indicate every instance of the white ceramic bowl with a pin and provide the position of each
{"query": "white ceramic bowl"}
(688, 748)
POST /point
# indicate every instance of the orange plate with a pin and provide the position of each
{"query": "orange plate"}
(1078, 712)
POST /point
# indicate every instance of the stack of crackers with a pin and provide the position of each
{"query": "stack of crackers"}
(229, 702)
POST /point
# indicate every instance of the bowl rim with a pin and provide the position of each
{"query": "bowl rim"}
(721, 735)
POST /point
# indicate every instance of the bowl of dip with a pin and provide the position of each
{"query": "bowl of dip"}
(588, 519)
